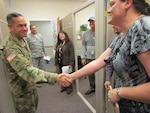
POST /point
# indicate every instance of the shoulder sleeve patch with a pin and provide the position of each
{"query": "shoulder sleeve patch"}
(11, 57)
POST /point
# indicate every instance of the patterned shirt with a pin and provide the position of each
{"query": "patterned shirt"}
(123, 56)
(126, 65)
(36, 45)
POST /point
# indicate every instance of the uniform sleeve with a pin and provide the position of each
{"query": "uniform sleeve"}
(25, 69)
(43, 46)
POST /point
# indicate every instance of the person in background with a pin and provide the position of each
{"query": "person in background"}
(64, 56)
(88, 52)
(109, 68)
(22, 76)
(36, 45)
(129, 54)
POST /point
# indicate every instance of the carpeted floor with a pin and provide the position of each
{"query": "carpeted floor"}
(51, 100)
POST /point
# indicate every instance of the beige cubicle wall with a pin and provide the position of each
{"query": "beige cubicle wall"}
(4, 11)
(6, 103)
(67, 25)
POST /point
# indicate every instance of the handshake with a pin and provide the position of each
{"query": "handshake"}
(64, 79)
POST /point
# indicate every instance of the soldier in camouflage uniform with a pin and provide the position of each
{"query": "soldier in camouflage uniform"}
(22, 75)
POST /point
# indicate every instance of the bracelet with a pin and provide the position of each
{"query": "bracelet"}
(117, 92)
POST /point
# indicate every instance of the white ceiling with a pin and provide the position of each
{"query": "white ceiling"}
(72, 0)
(65, 0)
(75, 0)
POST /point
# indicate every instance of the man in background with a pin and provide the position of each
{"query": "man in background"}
(36, 45)
(88, 51)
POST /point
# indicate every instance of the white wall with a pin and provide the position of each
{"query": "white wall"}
(82, 18)
(44, 10)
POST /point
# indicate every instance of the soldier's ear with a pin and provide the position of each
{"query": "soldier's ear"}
(9, 26)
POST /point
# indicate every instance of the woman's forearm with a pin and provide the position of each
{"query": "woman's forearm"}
(93, 66)
(138, 93)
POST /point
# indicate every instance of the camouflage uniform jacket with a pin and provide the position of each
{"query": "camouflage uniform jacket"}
(22, 75)
(36, 45)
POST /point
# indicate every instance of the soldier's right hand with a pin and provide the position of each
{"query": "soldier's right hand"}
(63, 80)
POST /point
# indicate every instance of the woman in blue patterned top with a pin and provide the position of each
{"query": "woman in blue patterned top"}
(129, 55)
